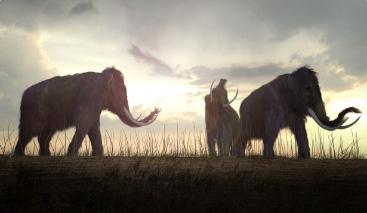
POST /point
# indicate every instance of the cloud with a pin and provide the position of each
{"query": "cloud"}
(159, 66)
(341, 23)
(22, 64)
(10, 13)
(36, 15)
(258, 32)
(31, 15)
(83, 8)
(236, 74)
(248, 42)
(331, 77)
(239, 29)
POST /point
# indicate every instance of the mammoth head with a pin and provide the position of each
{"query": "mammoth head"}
(117, 102)
(304, 86)
(218, 96)
(306, 99)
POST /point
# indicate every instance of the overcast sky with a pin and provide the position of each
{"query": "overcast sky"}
(170, 51)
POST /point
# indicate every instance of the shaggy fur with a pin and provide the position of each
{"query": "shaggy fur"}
(74, 100)
(222, 123)
(283, 103)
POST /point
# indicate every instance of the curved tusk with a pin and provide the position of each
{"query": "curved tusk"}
(136, 122)
(211, 94)
(349, 125)
(314, 116)
(234, 98)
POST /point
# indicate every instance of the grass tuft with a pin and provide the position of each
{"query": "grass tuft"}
(185, 143)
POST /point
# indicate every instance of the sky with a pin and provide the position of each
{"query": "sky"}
(170, 51)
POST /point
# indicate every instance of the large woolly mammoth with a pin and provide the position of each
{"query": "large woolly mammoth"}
(222, 121)
(285, 102)
(74, 100)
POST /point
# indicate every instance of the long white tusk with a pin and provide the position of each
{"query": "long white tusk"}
(234, 98)
(349, 125)
(211, 94)
(314, 116)
(136, 122)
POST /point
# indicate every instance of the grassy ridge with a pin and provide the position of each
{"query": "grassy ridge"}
(181, 184)
(184, 143)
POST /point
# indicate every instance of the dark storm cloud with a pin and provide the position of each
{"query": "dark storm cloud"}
(159, 66)
(82, 8)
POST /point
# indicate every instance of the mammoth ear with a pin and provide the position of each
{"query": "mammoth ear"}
(292, 84)
(109, 80)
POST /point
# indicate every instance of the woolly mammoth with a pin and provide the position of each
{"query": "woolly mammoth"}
(75, 100)
(222, 121)
(285, 102)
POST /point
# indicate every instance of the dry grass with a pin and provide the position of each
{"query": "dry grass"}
(185, 143)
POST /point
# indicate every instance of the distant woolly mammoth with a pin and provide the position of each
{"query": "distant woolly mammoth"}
(285, 102)
(222, 121)
(74, 100)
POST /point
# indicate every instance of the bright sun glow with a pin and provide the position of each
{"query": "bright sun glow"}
(164, 94)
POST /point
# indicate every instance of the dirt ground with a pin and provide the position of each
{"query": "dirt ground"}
(160, 184)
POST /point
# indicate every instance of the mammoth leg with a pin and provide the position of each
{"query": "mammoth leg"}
(269, 141)
(44, 142)
(299, 130)
(210, 136)
(243, 130)
(84, 124)
(24, 138)
(243, 137)
(224, 139)
(239, 146)
(272, 128)
(76, 142)
(95, 137)
(233, 140)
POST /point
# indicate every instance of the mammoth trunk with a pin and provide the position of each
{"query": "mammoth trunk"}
(318, 113)
(127, 118)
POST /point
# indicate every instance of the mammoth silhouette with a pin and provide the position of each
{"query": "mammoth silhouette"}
(74, 100)
(284, 103)
(222, 121)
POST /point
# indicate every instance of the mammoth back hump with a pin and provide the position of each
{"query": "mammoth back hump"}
(58, 95)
